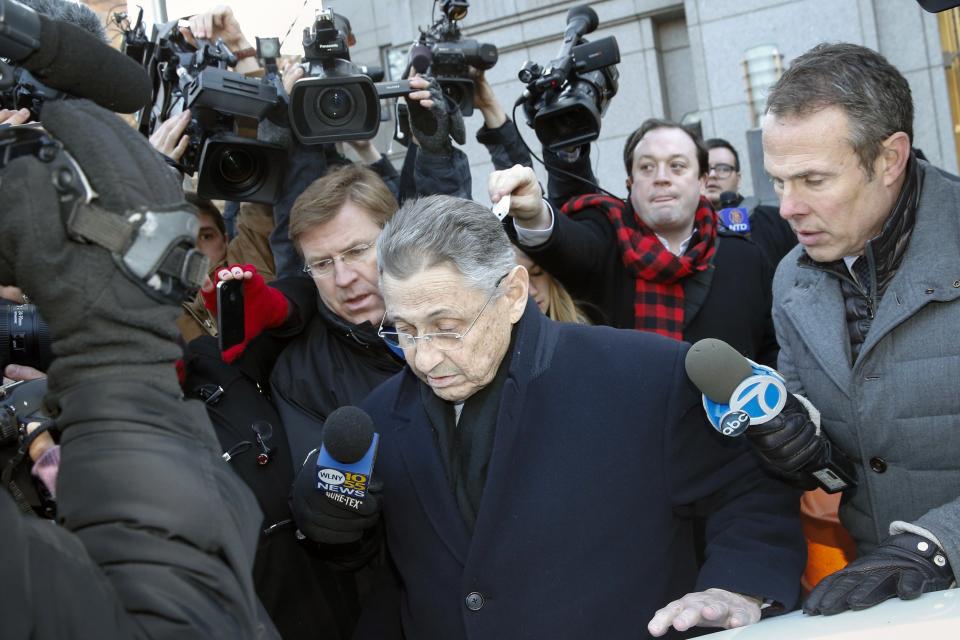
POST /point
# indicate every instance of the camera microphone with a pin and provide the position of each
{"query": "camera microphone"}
(69, 59)
(421, 57)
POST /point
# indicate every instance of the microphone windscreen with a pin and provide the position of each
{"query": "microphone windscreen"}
(420, 57)
(73, 61)
(716, 369)
(587, 14)
(347, 434)
(728, 198)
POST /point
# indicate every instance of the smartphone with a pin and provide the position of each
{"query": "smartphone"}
(230, 325)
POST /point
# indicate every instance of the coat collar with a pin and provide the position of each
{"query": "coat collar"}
(532, 352)
(929, 272)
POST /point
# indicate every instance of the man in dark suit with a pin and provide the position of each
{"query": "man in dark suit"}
(540, 478)
(656, 261)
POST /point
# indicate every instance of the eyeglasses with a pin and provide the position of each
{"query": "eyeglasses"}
(722, 170)
(323, 268)
(443, 341)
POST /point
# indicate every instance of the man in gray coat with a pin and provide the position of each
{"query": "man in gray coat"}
(866, 309)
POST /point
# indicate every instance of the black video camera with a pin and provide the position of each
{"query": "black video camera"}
(565, 101)
(225, 110)
(445, 54)
(19, 89)
(337, 100)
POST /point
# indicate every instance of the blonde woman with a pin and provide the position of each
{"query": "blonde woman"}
(550, 296)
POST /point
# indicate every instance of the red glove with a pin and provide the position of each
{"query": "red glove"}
(263, 307)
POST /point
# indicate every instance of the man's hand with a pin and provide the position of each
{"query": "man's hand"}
(790, 442)
(486, 101)
(168, 138)
(366, 152)
(220, 24)
(435, 121)
(20, 116)
(710, 608)
(324, 520)
(904, 565)
(526, 197)
(263, 307)
(290, 74)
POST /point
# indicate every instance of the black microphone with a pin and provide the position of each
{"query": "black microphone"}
(580, 20)
(69, 59)
(421, 56)
(346, 457)
(729, 199)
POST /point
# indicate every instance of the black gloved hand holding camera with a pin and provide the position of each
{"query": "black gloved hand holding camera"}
(434, 119)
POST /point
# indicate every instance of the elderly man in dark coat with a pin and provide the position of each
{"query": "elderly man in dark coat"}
(540, 478)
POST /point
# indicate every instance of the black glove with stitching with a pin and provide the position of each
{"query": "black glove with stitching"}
(903, 566)
(789, 443)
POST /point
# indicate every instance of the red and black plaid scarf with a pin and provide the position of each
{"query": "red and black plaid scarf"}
(658, 305)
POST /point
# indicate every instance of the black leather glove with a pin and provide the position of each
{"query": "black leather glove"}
(324, 520)
(434, 127)
(905, 565)
(789, 443)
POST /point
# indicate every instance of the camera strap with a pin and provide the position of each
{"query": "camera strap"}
(154, 247)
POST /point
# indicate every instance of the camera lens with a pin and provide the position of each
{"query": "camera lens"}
(335, 104)
(24, 336)
(238, 167)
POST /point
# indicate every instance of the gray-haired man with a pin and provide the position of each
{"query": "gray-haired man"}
(866, 311)
(540, 478)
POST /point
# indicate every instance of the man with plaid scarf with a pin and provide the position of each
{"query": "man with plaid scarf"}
(656, 262)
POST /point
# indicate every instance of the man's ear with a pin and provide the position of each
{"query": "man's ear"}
(894, 157)
(517, 285)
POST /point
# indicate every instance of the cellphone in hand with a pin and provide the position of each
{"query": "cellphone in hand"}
(230, 325)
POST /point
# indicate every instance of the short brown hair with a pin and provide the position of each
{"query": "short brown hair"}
(322, 200)
(657, 123)
(872, 93)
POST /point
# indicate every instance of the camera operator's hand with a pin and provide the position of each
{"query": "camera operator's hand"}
(20, 116)
(790, 443)
(324, 520)
(13, 294)
(365, 150)
(434, 120)
(168, 137)
(484, 99)
(290, 75)
(526, 197)
(263, 307)
(904, 565)
(220, 23)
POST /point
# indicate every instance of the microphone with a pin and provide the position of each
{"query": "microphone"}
(731, 216)
(69, 59)
(580, 21)
(345, 460)
(421, 56)
(739, 393)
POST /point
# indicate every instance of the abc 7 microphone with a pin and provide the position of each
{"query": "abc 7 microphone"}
(743, 397)
(334, 500)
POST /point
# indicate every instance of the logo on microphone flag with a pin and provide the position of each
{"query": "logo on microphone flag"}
(761, 397)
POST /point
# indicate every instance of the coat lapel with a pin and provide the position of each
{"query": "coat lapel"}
(930, 271)
(815, 308)
(531, 357)
(423, 463)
